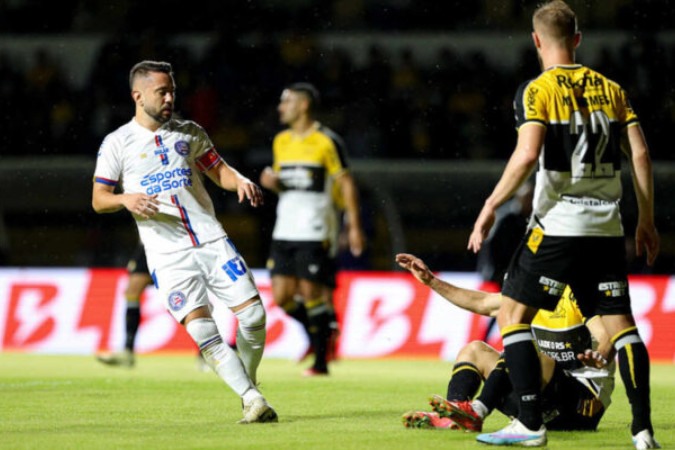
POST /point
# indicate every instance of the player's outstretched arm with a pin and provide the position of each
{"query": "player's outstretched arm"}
(479, 302)
(228, 178)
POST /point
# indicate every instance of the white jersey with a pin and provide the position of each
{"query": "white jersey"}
(168, 162)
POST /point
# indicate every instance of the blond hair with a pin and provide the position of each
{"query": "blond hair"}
(555, 20)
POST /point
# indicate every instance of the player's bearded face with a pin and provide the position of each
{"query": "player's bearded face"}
(159, 96)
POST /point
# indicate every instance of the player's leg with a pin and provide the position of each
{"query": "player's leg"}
(251, 334)
(228, 366)
(328, 296)
(285, 294)
(606, 267)
(497, 392)
(318, 317)
(139, 279)
(522, 359)
(572, 403)
(182, 279)
(524, 368)
(475, 361)
(634, 370)
(282, 266)
(473, 364)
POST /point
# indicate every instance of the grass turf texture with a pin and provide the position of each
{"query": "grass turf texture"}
(58, 402)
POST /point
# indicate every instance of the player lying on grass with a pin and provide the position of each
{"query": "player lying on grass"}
(577, 380)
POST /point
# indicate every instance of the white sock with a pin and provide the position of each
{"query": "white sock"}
(251, 335)
(250, 395)
(480, 408)
(222, 359)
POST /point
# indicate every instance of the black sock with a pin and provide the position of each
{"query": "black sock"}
(297, 311)
(496, 386)
(524, 367)
(132, 319)
(634, 369)
(465, 382)
(319, 332)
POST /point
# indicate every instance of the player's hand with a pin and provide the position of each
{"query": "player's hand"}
(416, 266)
(357, 241)
(647, 238)
(269, 179)
(592, 358)
(481, 228)
(142, 205)
(247, 189)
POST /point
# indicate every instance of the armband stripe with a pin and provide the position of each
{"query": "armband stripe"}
(105, 181)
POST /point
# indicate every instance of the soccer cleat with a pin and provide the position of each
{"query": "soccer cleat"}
(644, 440)
(515, 433)
(427, 420)
(258, 411)
(313, 372)
(122, 359)
(462, 413)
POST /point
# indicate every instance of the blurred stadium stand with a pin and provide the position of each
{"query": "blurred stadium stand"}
(421, 92)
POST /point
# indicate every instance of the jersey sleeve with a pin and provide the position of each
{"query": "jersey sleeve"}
(108, 163)
(336, 161)
(626, 114)
(530, 104)
(204, 152)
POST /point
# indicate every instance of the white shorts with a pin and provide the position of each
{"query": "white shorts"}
(184, 278)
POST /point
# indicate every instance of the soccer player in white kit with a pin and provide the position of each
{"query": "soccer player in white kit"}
(159, 163)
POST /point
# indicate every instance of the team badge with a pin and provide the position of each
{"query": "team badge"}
(182, 148)
(177, 300)
(535, 239)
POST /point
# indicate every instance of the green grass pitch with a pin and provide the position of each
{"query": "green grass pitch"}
(69, 402)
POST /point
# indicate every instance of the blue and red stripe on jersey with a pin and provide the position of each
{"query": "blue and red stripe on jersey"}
(209, 159)
(105, 181)
(186, 220)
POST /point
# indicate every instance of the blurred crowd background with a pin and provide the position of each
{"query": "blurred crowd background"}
(389, 104)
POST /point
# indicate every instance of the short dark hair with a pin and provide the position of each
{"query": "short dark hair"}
(309, 91)
(144, 67)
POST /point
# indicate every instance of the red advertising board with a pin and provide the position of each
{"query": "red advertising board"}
(382, 314)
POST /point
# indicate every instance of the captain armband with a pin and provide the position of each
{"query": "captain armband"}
(208, 160)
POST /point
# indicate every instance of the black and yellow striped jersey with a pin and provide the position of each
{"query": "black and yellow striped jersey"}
(307, 166)
(562, 334)
(578, 185)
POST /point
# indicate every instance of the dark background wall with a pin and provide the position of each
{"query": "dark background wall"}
(426, 83)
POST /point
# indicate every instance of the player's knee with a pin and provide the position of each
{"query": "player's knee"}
(471, 351)
(204, 332)
(252, 317)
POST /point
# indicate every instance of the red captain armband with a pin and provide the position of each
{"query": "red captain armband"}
(208, 160)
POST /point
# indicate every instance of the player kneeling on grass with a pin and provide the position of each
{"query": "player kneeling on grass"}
(577, 381)
(160, 163)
